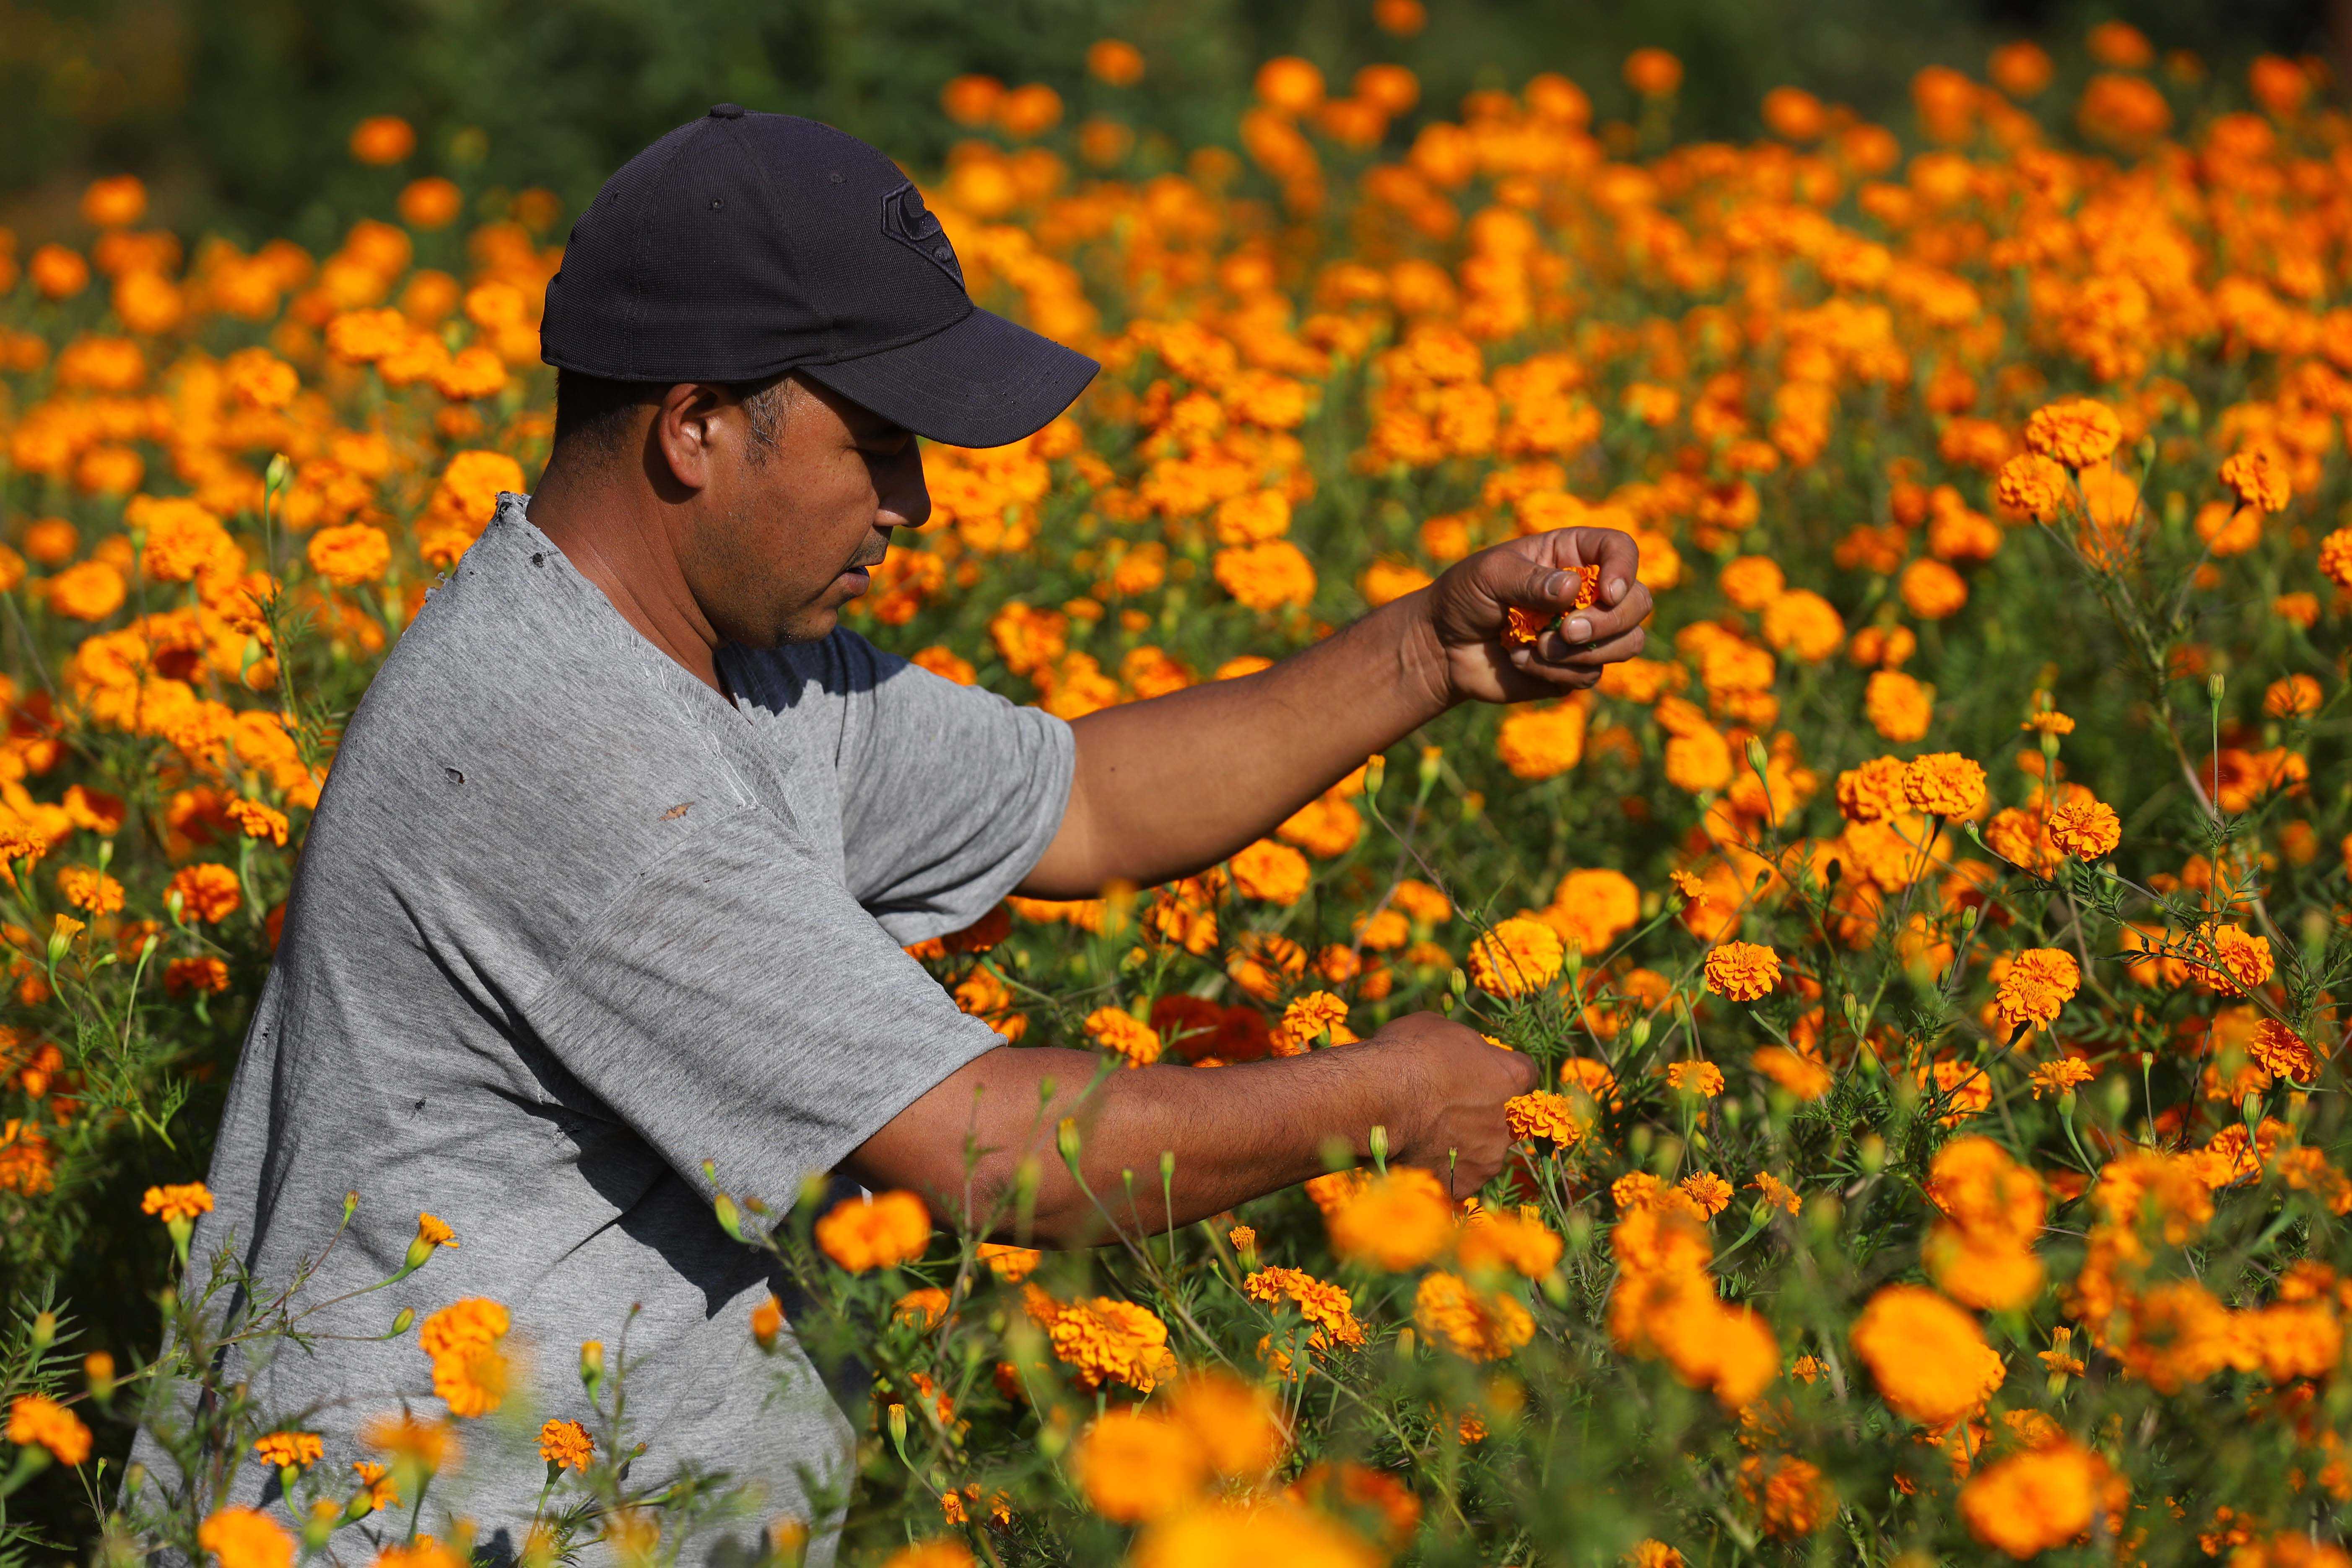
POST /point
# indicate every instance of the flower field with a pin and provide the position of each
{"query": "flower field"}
(1932, 947)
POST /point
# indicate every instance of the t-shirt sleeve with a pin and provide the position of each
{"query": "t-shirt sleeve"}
(735, 1004)
(949, 794)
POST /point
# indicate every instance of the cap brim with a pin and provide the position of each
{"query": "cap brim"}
(983, 381)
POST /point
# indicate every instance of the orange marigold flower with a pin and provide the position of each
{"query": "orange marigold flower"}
(383, 139)
(1803, 1075)
(462, 1338)
(1275, 873)
(256, 820)
(1897, 706)
(350, 554)
(2259, 478)
(2038, 982)
(1475, 1324)
(296, 1450)
(1702, 1078)
(2078, 432)
(881, 1230)
(767, 1322)
(2058, 1077)
(1709, 1191)
(2086, 829)
(1108, 1341)
(178, 1201)
(1944, 782)
(1121, 1033)
(206, 891)
(1328, 1308)
(2033, 1501)
(1395, 1222)
(88, 888)
(1136, 1465)
(244, 1538)
(1929, 1358)
(1792, 1494)
(1518, 958)
(1541, 1114)
(2282, 1051)
(1742, 971)
(2032, 486)
(2292, 696)
(566, 1445)
(2242, 960)
(1872, 791)
(35, 1419)
(1010, 1264)
(2334, 559)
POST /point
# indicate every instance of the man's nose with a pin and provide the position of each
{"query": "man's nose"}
(908, 496)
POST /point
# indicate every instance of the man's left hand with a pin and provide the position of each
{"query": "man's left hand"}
(1469, 608)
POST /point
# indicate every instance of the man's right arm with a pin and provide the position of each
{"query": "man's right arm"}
(1235, 1132)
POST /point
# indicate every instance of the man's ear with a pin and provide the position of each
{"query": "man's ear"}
(685, 423)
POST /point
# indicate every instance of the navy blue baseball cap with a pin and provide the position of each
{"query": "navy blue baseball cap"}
(742, 246)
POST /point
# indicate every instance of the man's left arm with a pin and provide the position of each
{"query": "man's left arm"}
(1168, 787)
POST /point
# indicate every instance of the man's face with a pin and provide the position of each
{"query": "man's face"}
(783, 537)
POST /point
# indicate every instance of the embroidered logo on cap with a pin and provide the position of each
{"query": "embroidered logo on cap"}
(906, 219)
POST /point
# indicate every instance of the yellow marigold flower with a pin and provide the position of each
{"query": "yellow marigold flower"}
(1474, 1324)
(243, 1538)
(2038, 982)
(878, 1231)
(2078, 432)
(1742, 971)
(1929, 1358)
(2049, 722)
(1945, 784)
(2259, 478)
(1273, 872)
(37, 1420)
(1776, 1192)
(1135, 1465)
(1709, 1191)
(566, 1445)
(2086, 829)
(434, 1231)
(1541, 1114)
(376, 1481)
(1803, 1076)
(1518, 958)
(1242, 1237)
(1397, 1221)
(1702, 1078)
(177, 1201)
(2031, 485)
(280, 1450)
(2033, 1501)
(1121, 1033)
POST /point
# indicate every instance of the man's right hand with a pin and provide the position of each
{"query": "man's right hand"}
(1447, 1088)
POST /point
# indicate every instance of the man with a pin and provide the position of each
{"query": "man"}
(613, 872)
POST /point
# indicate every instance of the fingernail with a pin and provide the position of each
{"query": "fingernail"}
(1579, 630)
(1616, 589)
(1556, 585)
(1519, 656)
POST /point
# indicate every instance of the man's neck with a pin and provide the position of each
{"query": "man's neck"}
(617, 539)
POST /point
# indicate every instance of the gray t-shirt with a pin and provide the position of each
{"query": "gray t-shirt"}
(567, 924)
